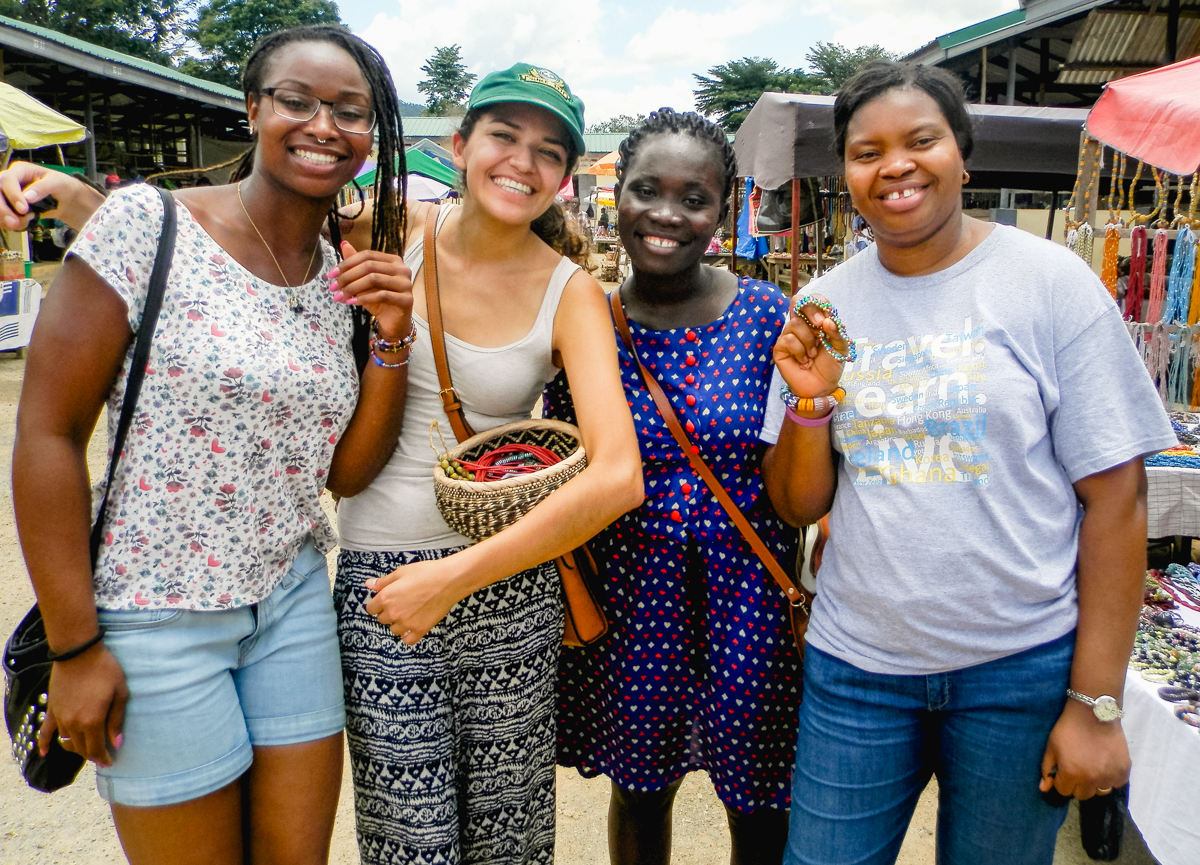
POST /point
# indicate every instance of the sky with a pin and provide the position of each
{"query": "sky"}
(633, 56)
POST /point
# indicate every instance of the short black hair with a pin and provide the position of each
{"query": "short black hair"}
(877, 78)
(667, 121)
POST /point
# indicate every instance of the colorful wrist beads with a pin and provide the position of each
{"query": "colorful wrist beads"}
(827, 308)
(805, 403)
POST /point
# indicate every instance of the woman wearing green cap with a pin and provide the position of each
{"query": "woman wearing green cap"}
(451, 726)
(449, 651)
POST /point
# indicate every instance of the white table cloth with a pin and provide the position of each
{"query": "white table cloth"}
(1163, 784)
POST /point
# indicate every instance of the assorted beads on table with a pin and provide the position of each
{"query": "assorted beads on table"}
(1166, 650)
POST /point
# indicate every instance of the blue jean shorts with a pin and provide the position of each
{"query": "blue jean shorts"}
(205, 688)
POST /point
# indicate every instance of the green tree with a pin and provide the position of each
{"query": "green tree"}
(226, 30)
(620, 123)
(730, 90)
(447, 83)
(833, 64)
(151, 29)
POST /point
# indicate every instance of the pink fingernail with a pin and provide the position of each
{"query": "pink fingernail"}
(333, 285)
(118, 740)
(352, 301)
(333, 273)
(371, 584)
(338, 296)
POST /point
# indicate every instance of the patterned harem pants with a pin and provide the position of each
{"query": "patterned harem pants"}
(452, 740)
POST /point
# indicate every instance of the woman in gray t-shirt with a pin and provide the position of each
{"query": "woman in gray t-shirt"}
(986, 493)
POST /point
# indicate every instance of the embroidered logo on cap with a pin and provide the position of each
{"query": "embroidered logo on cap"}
(548, 79)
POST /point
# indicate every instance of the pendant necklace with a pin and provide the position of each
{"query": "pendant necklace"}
(294, 304)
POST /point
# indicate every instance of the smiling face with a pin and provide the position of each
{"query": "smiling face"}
(669, 202)
(904, 168)
(314, 157)
(514, 160)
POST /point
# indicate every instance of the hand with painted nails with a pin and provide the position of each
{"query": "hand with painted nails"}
(86, 709)
(413, 598)
(805, 363)
(23, 185)
(380, 283)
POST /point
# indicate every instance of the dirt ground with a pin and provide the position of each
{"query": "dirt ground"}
(72, 826)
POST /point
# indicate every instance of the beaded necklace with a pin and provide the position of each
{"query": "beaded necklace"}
(1135, 293)
(1180, 284)
(1158, 277)
(1108, 268)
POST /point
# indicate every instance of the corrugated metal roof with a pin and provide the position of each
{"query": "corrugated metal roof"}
(27, 36)
(1115, 43)
(430, 127)
(983, 28)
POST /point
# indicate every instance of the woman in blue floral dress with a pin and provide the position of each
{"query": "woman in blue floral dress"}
(699, 670)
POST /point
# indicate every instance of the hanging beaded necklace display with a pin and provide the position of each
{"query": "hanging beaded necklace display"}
(1179, 286)
(293, 304)
(1112, 231)
(1158, 277)
(1135, 292)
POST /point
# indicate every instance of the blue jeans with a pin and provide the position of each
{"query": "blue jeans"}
(869, 742)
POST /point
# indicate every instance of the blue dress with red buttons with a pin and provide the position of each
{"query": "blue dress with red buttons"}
(699, 669)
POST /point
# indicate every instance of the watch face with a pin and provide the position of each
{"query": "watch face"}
(1106, 708)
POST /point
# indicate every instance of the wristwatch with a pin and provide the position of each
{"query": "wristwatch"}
(1104, 707)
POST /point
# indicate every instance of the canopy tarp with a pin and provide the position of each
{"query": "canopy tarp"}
(28, 124)
(1154, 116)
(417, 163)
(790, 135)
(606, 165)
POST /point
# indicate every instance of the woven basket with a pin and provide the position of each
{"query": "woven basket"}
(480, 509)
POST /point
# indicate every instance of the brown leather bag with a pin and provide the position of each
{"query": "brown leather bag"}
(798, 598)
(585, 622)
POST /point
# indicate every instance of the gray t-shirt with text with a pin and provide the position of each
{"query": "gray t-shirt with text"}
(981, 393)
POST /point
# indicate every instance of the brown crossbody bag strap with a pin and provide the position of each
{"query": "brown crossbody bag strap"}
(585, 620)
(799, 599)
(437, 335)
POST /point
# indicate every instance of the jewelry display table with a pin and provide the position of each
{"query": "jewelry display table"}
(1166, 767)
(1173, 502)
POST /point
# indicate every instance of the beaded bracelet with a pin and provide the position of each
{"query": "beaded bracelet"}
(826, 307)
(808, 403)
(381, 343)
(378, 362)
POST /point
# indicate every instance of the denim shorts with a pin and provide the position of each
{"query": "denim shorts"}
(869, 743)
(205, 688)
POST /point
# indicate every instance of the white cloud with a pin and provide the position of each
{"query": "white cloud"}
(903, 25)
(627, 58)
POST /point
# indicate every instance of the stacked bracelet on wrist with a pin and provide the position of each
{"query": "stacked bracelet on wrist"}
(805, 403)
(380, 343)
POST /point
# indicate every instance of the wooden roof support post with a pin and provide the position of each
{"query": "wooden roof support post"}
(795, 239)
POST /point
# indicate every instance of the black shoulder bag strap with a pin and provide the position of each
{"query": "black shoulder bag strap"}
(141, 355)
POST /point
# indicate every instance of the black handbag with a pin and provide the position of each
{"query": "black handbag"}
(27, 662)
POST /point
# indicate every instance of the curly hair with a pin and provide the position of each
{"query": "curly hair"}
(553, 227)
(666, 121)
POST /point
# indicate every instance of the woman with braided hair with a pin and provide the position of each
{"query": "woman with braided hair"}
(201, 673)
(699, 671)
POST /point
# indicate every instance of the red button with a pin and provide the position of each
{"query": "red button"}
(676, 517)
(691, 400)
(695, 449)
(691, 427)
(691, 361)
(691, 335)
(687, 489)
(690, 379)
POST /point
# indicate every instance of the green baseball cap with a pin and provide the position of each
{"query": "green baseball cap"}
(535, 85)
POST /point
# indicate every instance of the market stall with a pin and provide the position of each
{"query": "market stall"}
(788, 138)
(25, 124)
(1161, 722)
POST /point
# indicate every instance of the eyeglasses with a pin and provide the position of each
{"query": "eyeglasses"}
(347, 116)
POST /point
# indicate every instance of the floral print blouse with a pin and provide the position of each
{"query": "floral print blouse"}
(241, 407)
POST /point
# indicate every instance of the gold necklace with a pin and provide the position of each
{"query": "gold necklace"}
(293, 304)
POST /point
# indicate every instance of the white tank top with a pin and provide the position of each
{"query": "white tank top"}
(496, 386)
